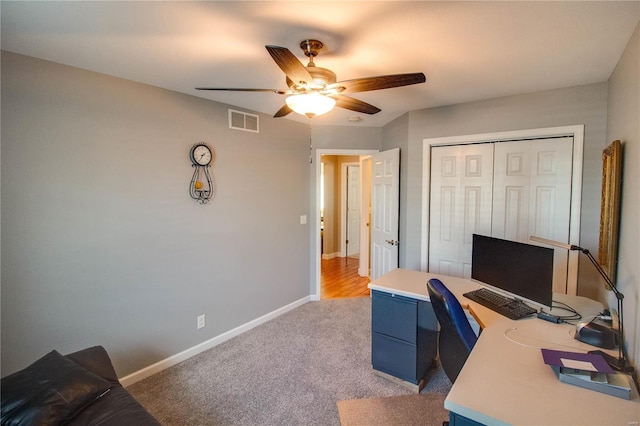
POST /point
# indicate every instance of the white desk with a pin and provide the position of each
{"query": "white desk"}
(505, 380)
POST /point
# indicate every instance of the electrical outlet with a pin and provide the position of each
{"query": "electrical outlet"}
(200, 321)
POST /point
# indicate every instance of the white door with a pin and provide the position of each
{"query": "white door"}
(532, 195)
(353, 211)
(384, 205)
(460, 202)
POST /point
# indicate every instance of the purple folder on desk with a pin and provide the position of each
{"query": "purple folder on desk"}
(576, 361)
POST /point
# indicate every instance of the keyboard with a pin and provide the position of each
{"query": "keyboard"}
(510, 308)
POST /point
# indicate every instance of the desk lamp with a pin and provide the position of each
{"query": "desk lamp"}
(620, 364)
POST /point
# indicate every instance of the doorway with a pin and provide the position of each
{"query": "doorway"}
(342, 236)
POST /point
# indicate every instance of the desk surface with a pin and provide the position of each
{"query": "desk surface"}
(505, 380)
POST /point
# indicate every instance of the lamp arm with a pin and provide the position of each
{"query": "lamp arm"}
(622, 361)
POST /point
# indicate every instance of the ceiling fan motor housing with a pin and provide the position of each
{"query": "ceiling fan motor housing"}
(322, 77)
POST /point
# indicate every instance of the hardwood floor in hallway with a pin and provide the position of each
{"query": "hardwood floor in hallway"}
(339, 278)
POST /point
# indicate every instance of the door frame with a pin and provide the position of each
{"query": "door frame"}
(366, 171)
(315, 205)
(577, 132)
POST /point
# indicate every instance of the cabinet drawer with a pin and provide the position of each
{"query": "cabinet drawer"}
(394, 316)
(394, 357)
(458, 420)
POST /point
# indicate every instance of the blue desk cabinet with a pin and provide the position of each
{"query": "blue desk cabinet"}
(404, 336)
(458, 420)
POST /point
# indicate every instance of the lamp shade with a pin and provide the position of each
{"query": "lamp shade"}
(310, 104)
(550, 242)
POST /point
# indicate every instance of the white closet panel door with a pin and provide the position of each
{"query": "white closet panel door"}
(461, 191)
(532, 195)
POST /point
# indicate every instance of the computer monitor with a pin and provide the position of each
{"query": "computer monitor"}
(524, 271)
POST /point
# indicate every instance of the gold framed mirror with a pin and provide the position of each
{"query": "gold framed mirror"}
(610, 208)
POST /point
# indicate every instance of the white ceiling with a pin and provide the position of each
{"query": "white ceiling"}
(468, 50)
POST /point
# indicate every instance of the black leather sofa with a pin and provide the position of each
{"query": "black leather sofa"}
(77, 389)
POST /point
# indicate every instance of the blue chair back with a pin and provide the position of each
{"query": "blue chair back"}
(456, 337)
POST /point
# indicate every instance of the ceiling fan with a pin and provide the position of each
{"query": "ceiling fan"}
(313, 90)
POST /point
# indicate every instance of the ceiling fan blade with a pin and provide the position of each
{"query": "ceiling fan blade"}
(354, 104)
(283, 111)
(289, 64)
(238, 89)
(380, 82)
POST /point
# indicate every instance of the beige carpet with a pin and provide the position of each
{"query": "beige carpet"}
(403, 410)
(288, 371)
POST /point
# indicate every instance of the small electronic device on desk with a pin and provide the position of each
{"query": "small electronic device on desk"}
(524, 272)
(597, 333)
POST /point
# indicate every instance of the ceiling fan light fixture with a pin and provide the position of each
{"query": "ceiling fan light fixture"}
(310, 104)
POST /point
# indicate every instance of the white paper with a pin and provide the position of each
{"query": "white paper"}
(578, 365)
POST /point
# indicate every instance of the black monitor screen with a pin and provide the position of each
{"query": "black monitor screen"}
(523, 270)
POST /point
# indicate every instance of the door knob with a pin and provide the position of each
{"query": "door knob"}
(391, 242)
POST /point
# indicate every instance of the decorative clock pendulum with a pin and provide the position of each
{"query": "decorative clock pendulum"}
(202, 157)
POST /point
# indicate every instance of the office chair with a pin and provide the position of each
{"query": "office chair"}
(456, 338)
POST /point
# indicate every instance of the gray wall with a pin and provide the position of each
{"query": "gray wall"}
(623, 123)
(339, 137)
(571, 106)
(101, 243)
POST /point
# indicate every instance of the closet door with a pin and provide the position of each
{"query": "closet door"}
(532, 195)
(461, 192)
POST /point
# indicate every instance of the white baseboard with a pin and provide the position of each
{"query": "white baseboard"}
(331, 255)
(136, 376)
(363, 272)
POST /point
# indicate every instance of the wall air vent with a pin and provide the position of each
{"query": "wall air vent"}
(243, 121)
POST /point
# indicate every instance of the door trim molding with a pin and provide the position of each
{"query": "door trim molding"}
(315, 206)
(577, 132)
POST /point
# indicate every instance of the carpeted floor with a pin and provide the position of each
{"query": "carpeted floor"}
(292, 370)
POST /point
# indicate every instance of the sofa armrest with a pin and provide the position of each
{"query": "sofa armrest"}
(96, 360)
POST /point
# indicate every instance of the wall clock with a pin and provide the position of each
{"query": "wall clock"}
(200, 154)
(202, 157)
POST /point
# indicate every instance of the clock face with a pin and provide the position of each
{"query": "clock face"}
(201, 155)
